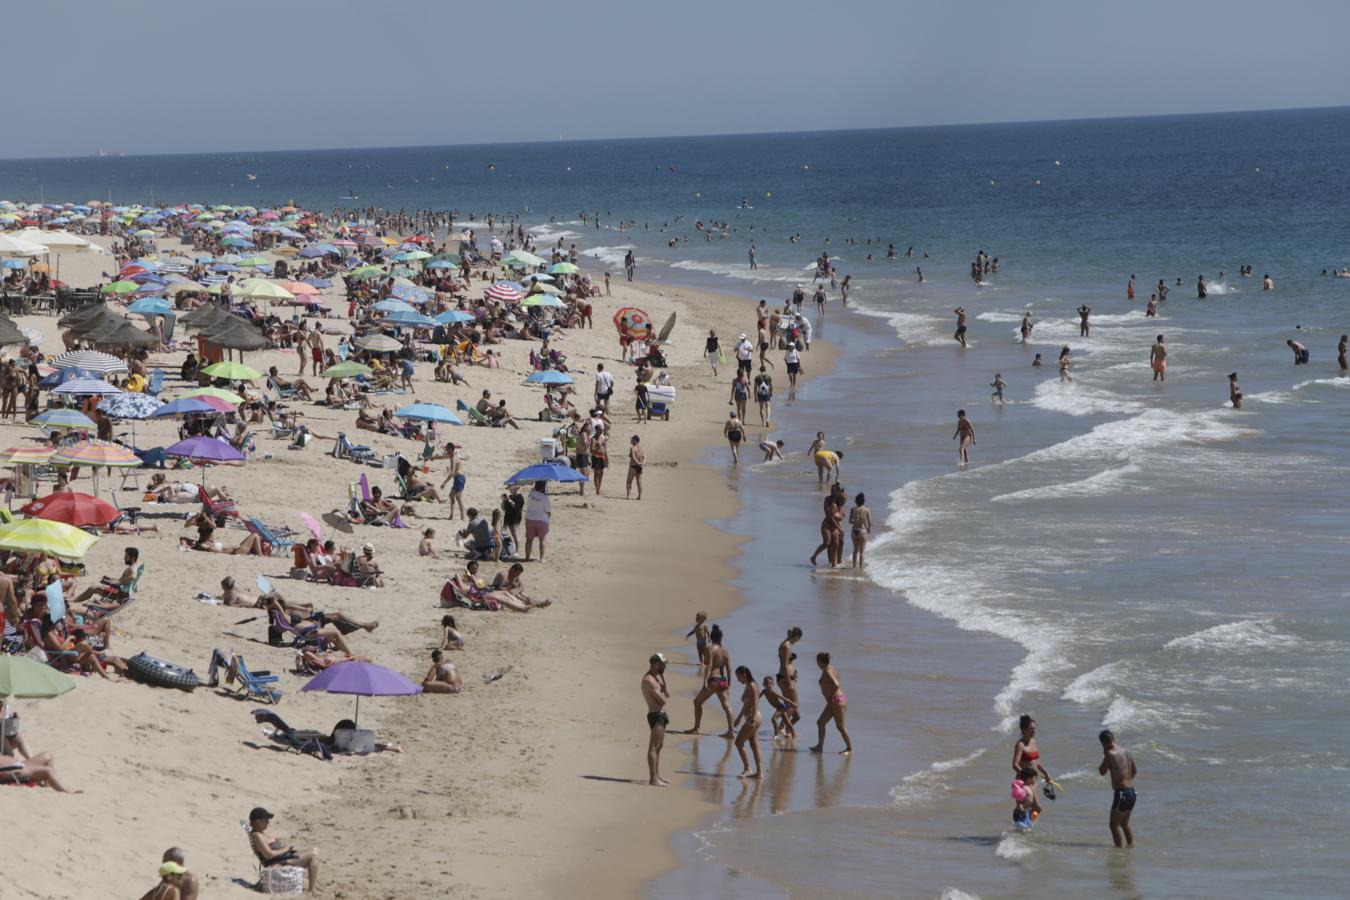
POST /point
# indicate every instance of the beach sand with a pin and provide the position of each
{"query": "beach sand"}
(530, 786)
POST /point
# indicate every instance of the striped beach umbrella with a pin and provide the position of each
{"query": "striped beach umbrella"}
(86, 387)
(92, 360)
(378, 343)
(63, 418)
(27, 456)
(95, 453)
(503, 292)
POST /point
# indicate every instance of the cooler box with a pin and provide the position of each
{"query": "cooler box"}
(353, 740)
(549, 448)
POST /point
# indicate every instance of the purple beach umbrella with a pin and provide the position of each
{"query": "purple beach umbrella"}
(364, 679)
(203, 450)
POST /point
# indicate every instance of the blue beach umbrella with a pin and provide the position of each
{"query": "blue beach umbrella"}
(549, 377)
(63, 418)
(16, 264)
(454, 317)
(409, 320)
(390, 306)
(181, 407)
(547, 471)
(429, 412)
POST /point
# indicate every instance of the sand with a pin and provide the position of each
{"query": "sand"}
(530, 786)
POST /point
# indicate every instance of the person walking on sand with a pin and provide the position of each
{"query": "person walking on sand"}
(655, 694)
(831, 526)
(636, 460)
(1120, 765)
(315, 341)
(740, 392)
(792, 358)
(604, 387)
(860, 525)
(836, 704)
(716, 683)
(1157, 358)
(457, 480)
(960, 335)
(764, 397)
(966, 432)
(712, 348)
(1084, 326)
(749, 715)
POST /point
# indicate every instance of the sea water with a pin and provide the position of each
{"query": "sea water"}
(1120, 553)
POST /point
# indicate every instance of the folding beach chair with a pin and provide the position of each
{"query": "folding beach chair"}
(215, 508)
(156, 383)
(279, 539)
(345, 449)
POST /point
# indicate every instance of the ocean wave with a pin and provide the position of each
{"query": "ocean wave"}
(550, 233)
(1107, 482)
(1014, 848)
(1150, 430)
(923, 787)
(1080, 398)
(1221, 288)
(742, 273)
(951, 893)
(1095, 688)
(915, 329)
(1334, 382)
(1250, 634)
(610, 256)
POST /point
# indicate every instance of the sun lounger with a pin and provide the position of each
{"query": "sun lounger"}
(313, 742)
(345, 449)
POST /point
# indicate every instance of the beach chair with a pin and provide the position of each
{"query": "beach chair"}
(153, 458)
(128, 596)
(477, 418)
(156, 383)
(279, 539)
(283, 392)
(276, 879)
(298, 637)
(345, 449)
(244, 443)
(252, 685)
(313, 742)
(215, 508)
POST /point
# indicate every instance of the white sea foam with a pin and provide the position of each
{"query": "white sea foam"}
(1126, 714)
(951, 893)
(1124, 438)
(1221, 288)
(1250, 634)
(923, 787)
(1334, 382)
(1097, 687)
(1108, 482)
(1080, 398)
(743, 273)
(550, 232)
(915, 329)
(1014, 848)
(610, 256)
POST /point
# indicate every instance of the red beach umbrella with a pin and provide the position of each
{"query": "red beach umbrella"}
(80, 510)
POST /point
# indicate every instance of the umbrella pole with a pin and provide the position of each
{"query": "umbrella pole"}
(357, 718)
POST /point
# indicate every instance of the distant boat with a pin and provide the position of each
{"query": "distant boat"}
(350, 196)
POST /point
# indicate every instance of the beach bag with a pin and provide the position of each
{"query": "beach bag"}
(282, 880)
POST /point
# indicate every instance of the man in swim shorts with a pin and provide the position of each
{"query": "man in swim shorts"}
(656, 694)
(960, 335)
(1120, 765)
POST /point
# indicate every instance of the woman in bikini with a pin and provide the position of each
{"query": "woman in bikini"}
(787, 669)
(860, 518)
(1025, 752)
(836, 704)
(831, 527)
(442, 677)
(717, 682)
(748, 719)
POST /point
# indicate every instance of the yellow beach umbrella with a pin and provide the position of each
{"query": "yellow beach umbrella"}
(45, 536)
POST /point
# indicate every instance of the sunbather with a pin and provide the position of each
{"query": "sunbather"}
(442, 677)
(278, 852)
(206, 542)
(420, 489)
(309, 661)
(367, 568)
(230, 595)
(451, 639)
(379, 509)
(113, 592)
(39, 770)
(508, 590)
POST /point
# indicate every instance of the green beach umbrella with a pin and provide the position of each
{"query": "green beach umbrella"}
(366, 272)
(251, 262)
(402, 272)
(541, 300)
(346, 370)
(524, 256)
(563, 268)
(28, 679)
(122, 287)
(232, 371)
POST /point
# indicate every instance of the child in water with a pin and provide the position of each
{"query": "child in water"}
(1028, 806)
(700, 635)
(998, 384)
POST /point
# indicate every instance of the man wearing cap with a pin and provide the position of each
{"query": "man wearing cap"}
(655, 693)
(745, 353)
(278, 852)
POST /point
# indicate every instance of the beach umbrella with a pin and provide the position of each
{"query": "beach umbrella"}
(541, 300)
(633, 322)
(547, 471)
(95, 453)
(454, 317)
(16, 264)
(179, 287)
(151, 306)
(428, 412)
(42, 536)
(366, 272)
(320, 283)
(299, 288)
(540, 277)
(363, 679)
(664, 334)
(232, 371)
(378, 343)
(563, 268)
(90, 360)
(230, 397)
(525, 258)
(408, 320)
(503, 292)
(123, 334)
(121, 287)
(540, 287)
(80, 510)
(27, 679)
(252, 262)
(87, 387)
(231, 336)
(63, 418)
(393, 305)
(204, 451)
(440, 264)
(262, 289)
(130, 406)
(183, 406)
(315, 528)
(549, 377)
(27, 456)
(10, 334)
(346, 370)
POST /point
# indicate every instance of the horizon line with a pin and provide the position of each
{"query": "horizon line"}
(686, 136)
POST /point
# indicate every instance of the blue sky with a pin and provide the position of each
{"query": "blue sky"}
(147, 76)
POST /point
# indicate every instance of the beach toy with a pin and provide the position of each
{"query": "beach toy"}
(1051, 787)
(146, 668)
